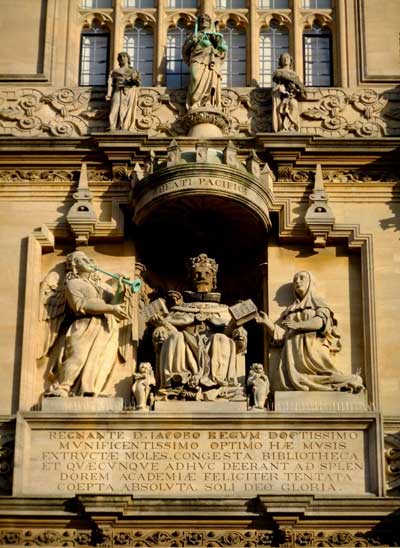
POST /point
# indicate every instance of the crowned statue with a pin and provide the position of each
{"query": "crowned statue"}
(198, 341)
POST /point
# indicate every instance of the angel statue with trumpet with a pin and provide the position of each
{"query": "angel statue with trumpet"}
(88, 330)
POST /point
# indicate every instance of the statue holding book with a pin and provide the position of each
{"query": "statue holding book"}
(198, 356)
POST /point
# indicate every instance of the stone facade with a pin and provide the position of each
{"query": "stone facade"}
(143, 407)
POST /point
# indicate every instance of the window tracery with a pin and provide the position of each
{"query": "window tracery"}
(273, 42)
(94, 56)
(139, 43)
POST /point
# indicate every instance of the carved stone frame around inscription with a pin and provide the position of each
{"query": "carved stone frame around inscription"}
(163, 456)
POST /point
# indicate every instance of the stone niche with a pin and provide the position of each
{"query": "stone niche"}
(196, 439)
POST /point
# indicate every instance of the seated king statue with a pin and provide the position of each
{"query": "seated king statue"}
(198, 356)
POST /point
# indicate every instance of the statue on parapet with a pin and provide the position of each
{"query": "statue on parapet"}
(307, 333)
(123, 90)
(286, 91)
(199, 340)
(204, 51)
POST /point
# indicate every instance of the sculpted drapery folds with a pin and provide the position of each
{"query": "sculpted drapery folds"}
(85, 329)
(194, 340)
(122, 91)
(204, 52)
(307, 332)
(285, 92)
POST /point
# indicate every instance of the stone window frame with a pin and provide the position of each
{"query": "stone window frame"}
(180, 30)
(94, 31)
(319, 34)
(232, 31)
(146, 78)
(264, 76)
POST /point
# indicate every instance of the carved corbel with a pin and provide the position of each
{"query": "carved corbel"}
(82, 217)
(319, 217)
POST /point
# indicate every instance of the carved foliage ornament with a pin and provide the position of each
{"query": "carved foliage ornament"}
(195, 537)
(336, 118)
(151, 537)
(338, 538)
(63, 113)
(67, 112)
(55, 176)
(338, 175)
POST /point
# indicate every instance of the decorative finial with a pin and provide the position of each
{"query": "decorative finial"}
(81, 217)
(319, 217)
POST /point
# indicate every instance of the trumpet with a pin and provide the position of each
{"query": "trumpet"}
(135, 285)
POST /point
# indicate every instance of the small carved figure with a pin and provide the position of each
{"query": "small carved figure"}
(239, 335)
(259, 384)
(83, 338)
(198, 352)
(143, 382)
(122, 91)
(307, 332)
(287, 89)
(204, 52)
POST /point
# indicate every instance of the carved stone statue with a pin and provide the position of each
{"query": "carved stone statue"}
(196, 352)
(287, 89)
(122, 91)
(259, 384)
(143, 382)
(83, 339)
(204, 51)
(307, 332)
